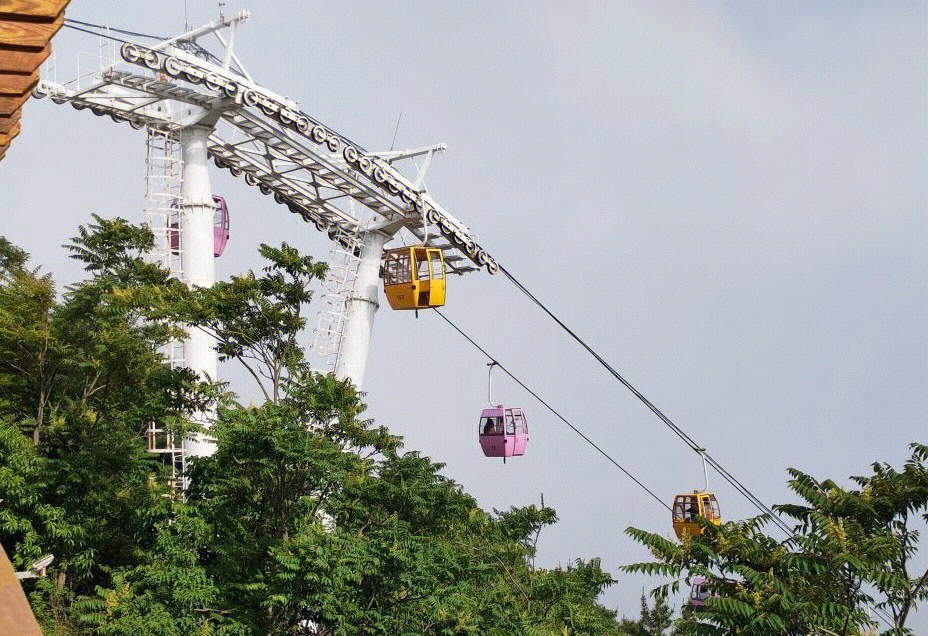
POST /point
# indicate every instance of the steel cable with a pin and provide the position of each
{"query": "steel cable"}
(103, 27)
(689, 441)
(554, 411)
(102, 35)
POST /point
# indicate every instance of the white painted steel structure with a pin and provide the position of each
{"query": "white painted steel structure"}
(198, 262)
(211, 105)
(163, 190)
(361, 305)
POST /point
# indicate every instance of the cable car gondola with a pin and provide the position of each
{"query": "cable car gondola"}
(699, 594)
(220, 227)
(414, 277)
(503, 430)
(699, 503)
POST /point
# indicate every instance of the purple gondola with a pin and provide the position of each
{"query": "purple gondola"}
(503, 432)
(699, 594)
(220, 227)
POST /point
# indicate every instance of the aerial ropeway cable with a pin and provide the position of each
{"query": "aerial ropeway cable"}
(103, 27)
(69, 25)
(689, 441)
(553, 411)
(709, 508)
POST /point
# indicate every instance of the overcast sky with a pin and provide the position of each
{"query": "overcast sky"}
(726, 199)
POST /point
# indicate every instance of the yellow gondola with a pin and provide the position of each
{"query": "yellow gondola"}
(697, 504)
(414, 277)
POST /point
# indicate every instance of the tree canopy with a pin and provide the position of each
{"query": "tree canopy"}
(847, 567)
(308, 519)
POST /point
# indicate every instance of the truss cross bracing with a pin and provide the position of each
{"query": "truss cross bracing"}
(266, 140)
(163, 191)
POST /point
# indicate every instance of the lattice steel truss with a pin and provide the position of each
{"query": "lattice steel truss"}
(344, 261)
(163, 188)
(266, 140)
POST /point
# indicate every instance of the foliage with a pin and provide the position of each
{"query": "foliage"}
(256, 319)
(654, 621)
(308, 519)
(82, 376)
(30, 353)
(850, 555)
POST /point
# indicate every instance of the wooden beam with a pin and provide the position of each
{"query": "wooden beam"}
(16, 617)
(15, 59)
(26, 29)
(5, 139)
(17, 83)
(7, 123)
(31, 34)
(9, 105)
(35, 9)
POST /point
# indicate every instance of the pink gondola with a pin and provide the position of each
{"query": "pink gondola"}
(699, 594)
(503, 432)
(220, 227)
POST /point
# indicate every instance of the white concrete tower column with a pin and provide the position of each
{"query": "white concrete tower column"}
(198, 262)
(362, 305)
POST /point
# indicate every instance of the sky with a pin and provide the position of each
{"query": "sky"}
(726, 199)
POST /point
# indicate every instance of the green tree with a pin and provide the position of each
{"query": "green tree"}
(658, 619)
(308, 519)
(851, 553)
(256, 319)
(86, 381)
(326, 527)
(30, 352)
(652, 622)
(321, 524)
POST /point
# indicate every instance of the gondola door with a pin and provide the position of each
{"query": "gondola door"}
(423, 278)
(437, 280)
(520, 440)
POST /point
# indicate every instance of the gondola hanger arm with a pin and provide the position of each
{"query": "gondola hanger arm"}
(705, 469)
(490, 365)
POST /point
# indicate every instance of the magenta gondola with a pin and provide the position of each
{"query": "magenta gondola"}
(699, 594)
(220, 227)
(503, 432)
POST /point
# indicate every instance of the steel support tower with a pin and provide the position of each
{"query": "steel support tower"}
(361, 306)
(198, 262)
(206, 99)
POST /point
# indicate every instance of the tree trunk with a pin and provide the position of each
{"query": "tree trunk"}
(39, 418)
